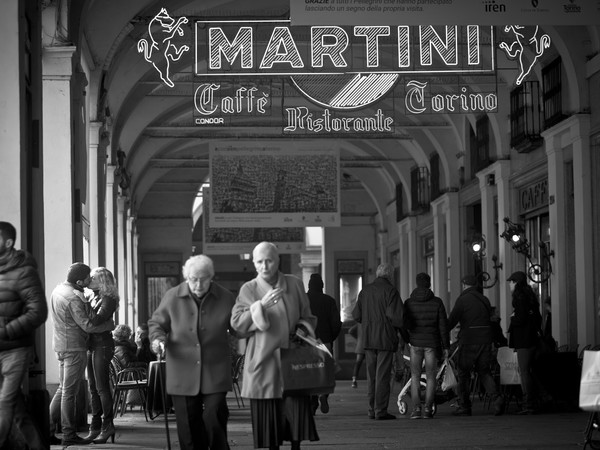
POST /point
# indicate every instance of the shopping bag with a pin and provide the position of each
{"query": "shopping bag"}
(307, 370)
(589, 388)
(509, 366)
(449, 380)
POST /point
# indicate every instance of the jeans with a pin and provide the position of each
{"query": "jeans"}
(379, 375)
(202, 421)
(13, 369)
(98, 362)
(476, 357)
(417, 355)
(71, 369)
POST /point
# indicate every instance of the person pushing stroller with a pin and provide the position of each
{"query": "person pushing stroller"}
(426, 321)
(473, 311)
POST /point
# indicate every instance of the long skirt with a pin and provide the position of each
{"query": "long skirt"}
(277, 420)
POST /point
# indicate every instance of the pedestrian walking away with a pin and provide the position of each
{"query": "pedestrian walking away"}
(324, 307)
(379, 310)
(426, 321)
(473, 312)
(524, 334)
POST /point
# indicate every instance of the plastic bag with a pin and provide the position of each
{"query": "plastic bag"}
(589, 389)
(449, 380)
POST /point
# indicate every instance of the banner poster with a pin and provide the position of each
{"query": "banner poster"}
(234, 241)
(282, 185)
(444, 12)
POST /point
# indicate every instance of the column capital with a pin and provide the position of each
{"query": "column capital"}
(57, 62)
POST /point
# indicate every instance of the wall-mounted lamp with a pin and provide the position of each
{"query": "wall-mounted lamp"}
(477, 248)
(514, 233)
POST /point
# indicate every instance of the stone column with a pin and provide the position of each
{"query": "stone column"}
(10, 107)
(58, 178)
(110, 219)
(556, 187)
(440, 286)
(121, 263)
(94, 218)
(453, 250)
(584, 234)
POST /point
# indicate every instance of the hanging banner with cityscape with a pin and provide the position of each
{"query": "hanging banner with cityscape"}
(282, 185)
(235, 241)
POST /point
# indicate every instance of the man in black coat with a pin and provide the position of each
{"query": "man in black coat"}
(328, 325)
(473, 311)
(379, 309)
(22, 309)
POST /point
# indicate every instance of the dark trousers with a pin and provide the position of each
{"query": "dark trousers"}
(202, 421)
(478, 358)
(379, 375)
(99, 380)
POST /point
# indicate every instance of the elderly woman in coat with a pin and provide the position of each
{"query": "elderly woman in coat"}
(191, 326)
(268, 309)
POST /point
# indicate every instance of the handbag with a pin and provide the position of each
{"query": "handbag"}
(589, 388)
(306, 370)
(449, 380)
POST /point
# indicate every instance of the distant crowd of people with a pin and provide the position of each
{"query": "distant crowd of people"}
(191, 330)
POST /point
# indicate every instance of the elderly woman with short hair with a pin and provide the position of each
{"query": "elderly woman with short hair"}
(267, 310)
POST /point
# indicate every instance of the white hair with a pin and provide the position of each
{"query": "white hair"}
(198, 261)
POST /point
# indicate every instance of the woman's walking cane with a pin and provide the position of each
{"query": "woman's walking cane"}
(161, 383)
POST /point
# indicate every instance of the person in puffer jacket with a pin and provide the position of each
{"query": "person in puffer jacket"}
(427, 325)
(23, 308)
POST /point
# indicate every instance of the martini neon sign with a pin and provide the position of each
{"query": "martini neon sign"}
(342, 68)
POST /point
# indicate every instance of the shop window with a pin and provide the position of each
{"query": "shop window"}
(552, 85)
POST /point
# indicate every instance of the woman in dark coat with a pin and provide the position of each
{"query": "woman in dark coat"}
(125, 349)
(101, 348)
(524, 334)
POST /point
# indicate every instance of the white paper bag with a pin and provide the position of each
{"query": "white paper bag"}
(589, 388)
(509, 366)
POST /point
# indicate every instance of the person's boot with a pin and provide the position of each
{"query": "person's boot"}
(93, 433)
(108, 431)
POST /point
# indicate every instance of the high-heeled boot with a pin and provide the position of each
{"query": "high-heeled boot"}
(107, 432)
(92, 434)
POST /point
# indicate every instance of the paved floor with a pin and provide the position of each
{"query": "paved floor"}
(347, 427)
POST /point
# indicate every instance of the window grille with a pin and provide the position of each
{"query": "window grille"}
(480, 154)
(525, 117)
(420, 195)
(552, 85)
(434, 163)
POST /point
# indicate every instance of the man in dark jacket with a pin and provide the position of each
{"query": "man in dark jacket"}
(328, 324)
(427, 324)
(22, 310)
(473, 311)
(380, 311)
